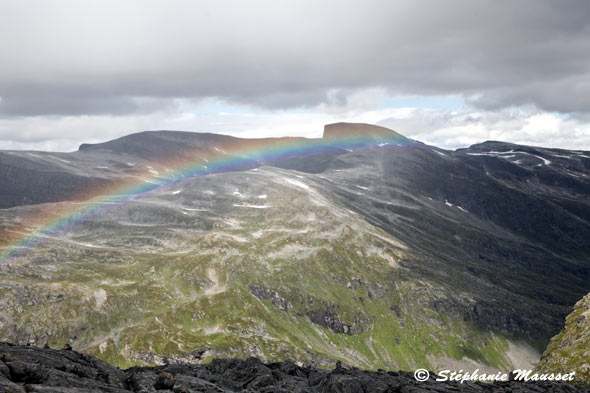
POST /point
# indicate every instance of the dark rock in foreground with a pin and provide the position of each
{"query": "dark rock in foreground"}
(31, 369)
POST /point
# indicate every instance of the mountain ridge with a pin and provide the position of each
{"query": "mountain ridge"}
(386, 255)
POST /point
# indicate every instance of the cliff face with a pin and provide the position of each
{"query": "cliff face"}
(29, 369)
(570, 349)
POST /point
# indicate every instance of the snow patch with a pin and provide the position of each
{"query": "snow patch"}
(253, 206)
(176, 192)
(263, 196)
(545, 161)
(194, 209)
(60, 159)
(362, 188)
(297, 183)
(238, 194)
(492, 153)
(573, 173)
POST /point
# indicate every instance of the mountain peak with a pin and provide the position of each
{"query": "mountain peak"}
(338, 130)
(491, 144)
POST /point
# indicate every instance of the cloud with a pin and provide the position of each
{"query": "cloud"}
(436, 125)
(76, 71)
(66, 133)
(527, 126)
(68, 57)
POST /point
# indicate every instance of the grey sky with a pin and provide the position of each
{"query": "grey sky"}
(62, 61)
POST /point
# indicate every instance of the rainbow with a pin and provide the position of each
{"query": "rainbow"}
(238, 154)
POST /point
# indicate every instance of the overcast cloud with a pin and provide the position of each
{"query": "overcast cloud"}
(75, 71)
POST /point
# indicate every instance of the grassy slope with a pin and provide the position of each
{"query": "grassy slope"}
(570, 349)
(131, 306)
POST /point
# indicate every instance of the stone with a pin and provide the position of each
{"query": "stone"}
(164, 381)
(40, 370)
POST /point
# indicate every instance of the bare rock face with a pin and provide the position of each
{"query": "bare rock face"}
(33, 369)
(30, 369)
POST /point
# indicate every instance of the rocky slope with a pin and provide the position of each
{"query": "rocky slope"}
(391, 255)
(29, 369)
(570, 349)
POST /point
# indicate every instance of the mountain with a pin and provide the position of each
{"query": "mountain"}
(362, 246)
(33, 177)
(570, 349)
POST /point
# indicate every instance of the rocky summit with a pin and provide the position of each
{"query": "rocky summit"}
(362, 247)
(29, 369)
